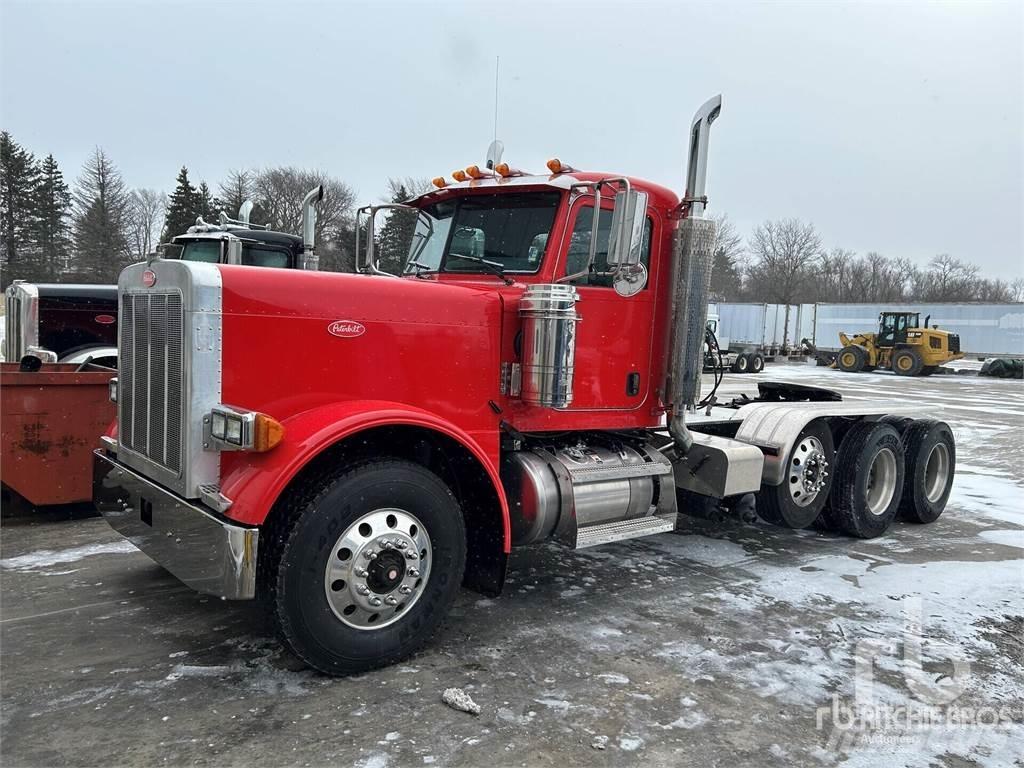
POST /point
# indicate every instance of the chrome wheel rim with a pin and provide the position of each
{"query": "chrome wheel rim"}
(881, 482)
(936, 472)
(378, 569)
(808, 471)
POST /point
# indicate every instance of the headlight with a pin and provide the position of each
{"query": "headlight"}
(234, 429)
(112, 389)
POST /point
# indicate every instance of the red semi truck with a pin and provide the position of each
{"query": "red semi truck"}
(533, 375)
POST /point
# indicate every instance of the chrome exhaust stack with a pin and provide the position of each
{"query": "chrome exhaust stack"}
(693, 257)
(309, 258)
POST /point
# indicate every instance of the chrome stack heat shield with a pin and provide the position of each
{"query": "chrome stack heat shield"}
(549, 319)
(693, 257)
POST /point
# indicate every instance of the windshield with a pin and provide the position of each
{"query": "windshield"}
(510, 230)
(201, 250)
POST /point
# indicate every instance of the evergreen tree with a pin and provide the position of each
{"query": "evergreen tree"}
(205, 204)
(51, 228)
(182, 207)
(395, 236)
(101, 221)
(18, 179)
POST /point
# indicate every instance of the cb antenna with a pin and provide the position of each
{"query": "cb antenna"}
(494, 151)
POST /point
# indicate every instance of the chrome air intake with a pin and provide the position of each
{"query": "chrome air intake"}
(549, 343)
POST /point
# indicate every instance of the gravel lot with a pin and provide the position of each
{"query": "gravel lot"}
(716, 645)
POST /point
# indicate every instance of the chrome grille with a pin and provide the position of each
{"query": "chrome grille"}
(12, 332)
(150, 376)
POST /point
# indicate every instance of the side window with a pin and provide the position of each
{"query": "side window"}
(255, 256)
(579, 247)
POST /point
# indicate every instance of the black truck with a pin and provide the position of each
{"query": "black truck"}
(66, 323)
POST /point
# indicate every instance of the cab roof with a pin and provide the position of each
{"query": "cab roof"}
(661, 196)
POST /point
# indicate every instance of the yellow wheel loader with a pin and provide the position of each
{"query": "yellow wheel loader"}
(902, 344)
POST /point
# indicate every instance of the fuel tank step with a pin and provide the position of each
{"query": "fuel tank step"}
(620, 530)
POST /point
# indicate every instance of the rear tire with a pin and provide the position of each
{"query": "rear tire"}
(907, 362)
(756, 362)
(741, 364)
(931, 464)
(798, 500)
(851, 359)
(360, 570)
(868, 482)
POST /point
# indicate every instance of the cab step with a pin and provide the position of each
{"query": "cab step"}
(620, 530)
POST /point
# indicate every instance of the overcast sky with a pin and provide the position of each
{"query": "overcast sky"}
(894, 127)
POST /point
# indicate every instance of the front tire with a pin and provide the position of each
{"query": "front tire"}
(362, 569)
(851, 359)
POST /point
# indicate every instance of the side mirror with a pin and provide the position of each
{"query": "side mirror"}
(233, 251)
(626, 237)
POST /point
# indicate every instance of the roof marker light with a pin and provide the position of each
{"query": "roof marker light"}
(460, 176)
(476, 172)
(557, 166)
(439, 182)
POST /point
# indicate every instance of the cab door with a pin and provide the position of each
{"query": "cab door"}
(614, 336)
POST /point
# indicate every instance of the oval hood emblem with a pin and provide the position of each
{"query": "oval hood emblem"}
(346, 329)
(105, 319)
(149, 278)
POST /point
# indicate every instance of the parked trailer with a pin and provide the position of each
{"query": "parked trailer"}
(512, 386)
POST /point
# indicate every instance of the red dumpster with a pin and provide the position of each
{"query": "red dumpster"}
(50, 420)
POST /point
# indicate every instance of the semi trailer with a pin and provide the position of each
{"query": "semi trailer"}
(532, 375)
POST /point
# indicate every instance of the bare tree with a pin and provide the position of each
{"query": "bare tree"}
(278, 193)
(727, 271)
(148, 208)
(238, 187)
(1017, 290)
(784, 253)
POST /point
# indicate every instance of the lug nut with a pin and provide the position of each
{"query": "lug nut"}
(374, 601)
(411, 555)
(405, 589)
(386, 544)
(414, 572)
(361, 572)
(362, 589)
(369, 554)
(390, 600)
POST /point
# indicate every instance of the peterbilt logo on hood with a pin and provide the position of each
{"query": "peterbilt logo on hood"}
(346, 329)
(149, 278)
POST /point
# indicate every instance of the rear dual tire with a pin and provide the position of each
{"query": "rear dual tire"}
(868, 485)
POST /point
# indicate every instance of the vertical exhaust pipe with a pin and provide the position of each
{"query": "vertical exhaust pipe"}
(244, 211)
(693, 257)
(309, 258)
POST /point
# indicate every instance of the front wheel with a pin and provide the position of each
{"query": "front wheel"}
(907, 362)
(362, 569)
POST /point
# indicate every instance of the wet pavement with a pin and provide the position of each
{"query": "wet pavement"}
(723, 644)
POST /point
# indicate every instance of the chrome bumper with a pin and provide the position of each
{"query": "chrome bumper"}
(206, 552)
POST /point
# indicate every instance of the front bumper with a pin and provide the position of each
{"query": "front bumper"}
(205, 551)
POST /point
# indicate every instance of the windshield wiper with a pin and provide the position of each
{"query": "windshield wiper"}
(492, 266)
(421, 268)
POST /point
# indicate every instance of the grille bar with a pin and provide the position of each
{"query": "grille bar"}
(150, 376)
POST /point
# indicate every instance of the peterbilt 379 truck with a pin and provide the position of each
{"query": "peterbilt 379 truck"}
(531, 376)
